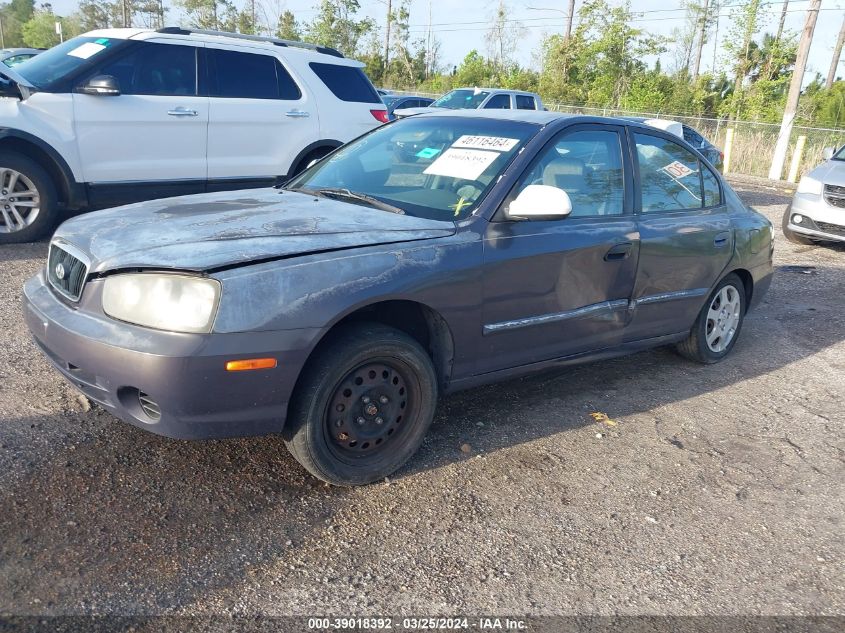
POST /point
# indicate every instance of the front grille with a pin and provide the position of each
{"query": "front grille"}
(149, 406)
(834, 195)
(66, 270)
(834, 229)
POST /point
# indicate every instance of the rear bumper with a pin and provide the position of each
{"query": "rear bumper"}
(184, 374)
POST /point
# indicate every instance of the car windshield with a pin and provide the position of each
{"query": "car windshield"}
(59, 61)
(388, 100)
(840, 155)
(433, 167)
(464, 99)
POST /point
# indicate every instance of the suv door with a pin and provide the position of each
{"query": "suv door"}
(685, 231)
(155, 130)
(260, 118)
(558, 287)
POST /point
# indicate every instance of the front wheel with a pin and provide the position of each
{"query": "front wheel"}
(363, 405)
(28, 202)
(718, 324)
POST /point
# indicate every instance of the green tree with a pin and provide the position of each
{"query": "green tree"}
(40, 30)
(288, 28)
(14, 15)
(336, 24)
(94, 14)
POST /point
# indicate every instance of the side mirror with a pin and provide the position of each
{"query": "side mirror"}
(828, 152)
(8, 88)
(540, 202)
(101, 86)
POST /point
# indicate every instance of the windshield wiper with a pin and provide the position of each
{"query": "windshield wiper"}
(340, 192)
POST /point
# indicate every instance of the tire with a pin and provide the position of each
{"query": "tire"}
(696, 346)
(362, 406)
(791, 235)
(28, 176)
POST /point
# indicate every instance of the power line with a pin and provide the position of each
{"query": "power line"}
(560, 25)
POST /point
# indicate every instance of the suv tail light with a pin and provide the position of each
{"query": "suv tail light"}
(380, 115)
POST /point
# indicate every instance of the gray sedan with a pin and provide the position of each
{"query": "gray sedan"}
(434, 254)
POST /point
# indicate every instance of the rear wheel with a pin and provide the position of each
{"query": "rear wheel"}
(28, 202)
(718, 325)
(310, 159)
(363, 405)
(792, 236)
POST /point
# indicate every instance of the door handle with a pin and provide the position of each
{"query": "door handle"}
(722, 239)
(297, 114)
(618, 252)
(180, 111)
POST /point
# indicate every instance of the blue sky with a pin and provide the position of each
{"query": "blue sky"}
(460, 25)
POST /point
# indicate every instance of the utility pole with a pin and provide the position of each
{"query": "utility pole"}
(837, 53)
(571, 16)
(782, 20)
(782, 144)
(387, 36)
(702, 27)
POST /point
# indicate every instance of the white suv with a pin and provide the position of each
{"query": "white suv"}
(122, 115)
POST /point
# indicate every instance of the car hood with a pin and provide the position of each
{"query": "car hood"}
(830, 173)
(216, 230)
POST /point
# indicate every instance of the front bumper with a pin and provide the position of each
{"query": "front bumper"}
(821, 220)
(112, 363)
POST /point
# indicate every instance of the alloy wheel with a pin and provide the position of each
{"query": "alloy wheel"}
(723, 319)
(20, 202)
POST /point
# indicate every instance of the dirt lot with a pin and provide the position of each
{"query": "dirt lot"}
(712, 490)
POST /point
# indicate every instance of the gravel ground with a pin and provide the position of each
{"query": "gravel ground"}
(709, 490)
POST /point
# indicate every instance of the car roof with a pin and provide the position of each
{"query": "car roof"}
(310, 51)
(507, 90)
(541, 117)
(538, 117)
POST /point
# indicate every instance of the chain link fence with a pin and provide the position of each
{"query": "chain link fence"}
(753, 142)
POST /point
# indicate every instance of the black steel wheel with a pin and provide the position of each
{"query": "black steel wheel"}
(362, 406)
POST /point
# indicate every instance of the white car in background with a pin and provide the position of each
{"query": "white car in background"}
(479, 99)
(817, 212)
(123, 115)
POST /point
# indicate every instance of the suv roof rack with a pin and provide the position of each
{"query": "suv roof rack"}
(326, 50)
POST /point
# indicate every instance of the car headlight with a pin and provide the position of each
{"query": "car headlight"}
(810, 186)
(178, 303)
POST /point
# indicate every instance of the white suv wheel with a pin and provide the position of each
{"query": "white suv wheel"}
(20, 202)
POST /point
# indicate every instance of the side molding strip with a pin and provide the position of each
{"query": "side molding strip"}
(593, 310)
(673, 296)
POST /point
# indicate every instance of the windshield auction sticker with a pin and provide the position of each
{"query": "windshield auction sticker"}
(496, 143)
(467, 164)
(86, 50)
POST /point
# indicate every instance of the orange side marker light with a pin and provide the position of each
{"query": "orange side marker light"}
(250, 364)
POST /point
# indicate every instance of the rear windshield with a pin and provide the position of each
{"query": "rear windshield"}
(348, 83)
(62, 60)
(461, 99)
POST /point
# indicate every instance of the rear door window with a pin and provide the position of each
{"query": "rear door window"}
(669, 175)
(347, 83)
(235, 74)
(498, 102)
(712, 192)
(524, 102)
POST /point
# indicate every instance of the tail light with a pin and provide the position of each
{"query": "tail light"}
(380, 115)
